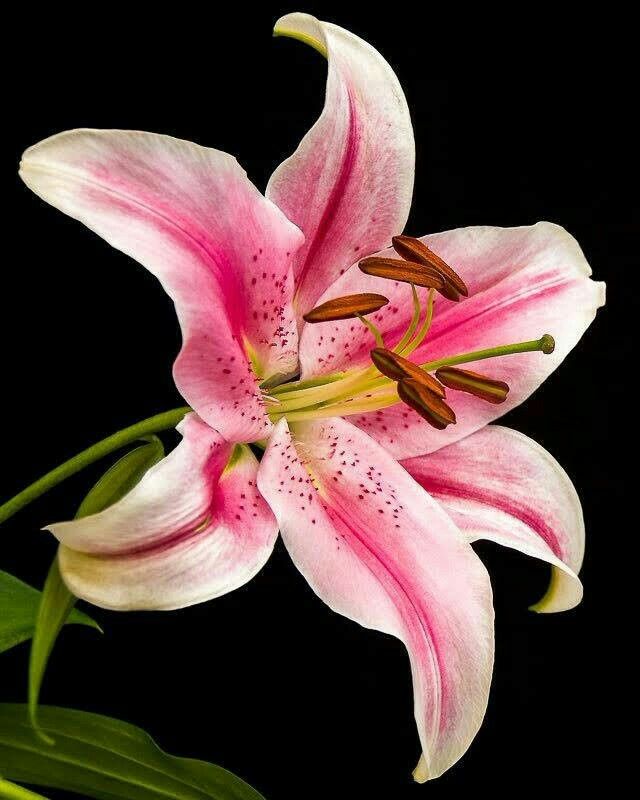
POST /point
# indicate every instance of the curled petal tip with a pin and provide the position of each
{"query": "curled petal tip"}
(304, 28)
(421, 772)
(358, 156)
(564, 592)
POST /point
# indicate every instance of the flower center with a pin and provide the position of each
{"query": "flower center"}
(392, 377)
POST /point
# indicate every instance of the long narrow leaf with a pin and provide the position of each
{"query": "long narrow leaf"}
(56, 605)
(9, 791)
(19, 604)
(120, 479)
(57, 601)
(106, 759)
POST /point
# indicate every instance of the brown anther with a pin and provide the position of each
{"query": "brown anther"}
(405, 271)
(425, 402)
(450, 292)
(346, 307)
(463, 380)
(398, 369)
(415, 250)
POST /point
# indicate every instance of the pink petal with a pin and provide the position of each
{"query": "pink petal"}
(194, 528)
(500, 485)
(379, 550)
(221, 251)
(523, 282)
(348, 185)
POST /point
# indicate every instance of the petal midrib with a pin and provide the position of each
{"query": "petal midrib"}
(337, 193)
(211, 258)
(442, 330)
(501, 502)
(134, 201)
(344, 515)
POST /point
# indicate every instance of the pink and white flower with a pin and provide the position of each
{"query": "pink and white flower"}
(376, 507)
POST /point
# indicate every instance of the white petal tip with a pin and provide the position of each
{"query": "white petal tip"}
(549, 605)
(303, 27)
(564, 593)
(541, 607)
(421, 772)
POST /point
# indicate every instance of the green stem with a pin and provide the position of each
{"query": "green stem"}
(544, 344)
(11, 791)
(160, 422)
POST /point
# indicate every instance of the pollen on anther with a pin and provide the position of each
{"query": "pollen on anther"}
(347, 307)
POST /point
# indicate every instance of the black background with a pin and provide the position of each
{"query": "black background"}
(515, 121)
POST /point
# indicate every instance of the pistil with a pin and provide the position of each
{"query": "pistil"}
(545, 344)
(359, 393)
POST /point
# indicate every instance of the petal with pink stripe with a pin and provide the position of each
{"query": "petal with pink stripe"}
(379, 550)
(220, 249)
(500, 485)
(194, 528)
(523, 282)
(348, 186)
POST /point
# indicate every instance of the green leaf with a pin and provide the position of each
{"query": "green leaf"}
(106, 759)
(57, 601)
(120, 479)
(56, 605)
(12, 792)
(19, 604)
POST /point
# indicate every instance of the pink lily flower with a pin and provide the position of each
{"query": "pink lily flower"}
(377, 507)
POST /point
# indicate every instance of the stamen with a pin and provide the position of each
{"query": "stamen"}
(424, 328)
(415, 319)
(398, 369)
(415, 250)
(314, 395)
(425, 402)
(463, 380)
(376, 333)
(349, 307)
(450, 292)
(354, 405)
(405, 271)
(307, 383)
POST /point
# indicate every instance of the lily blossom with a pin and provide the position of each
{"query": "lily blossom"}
(377, 500)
